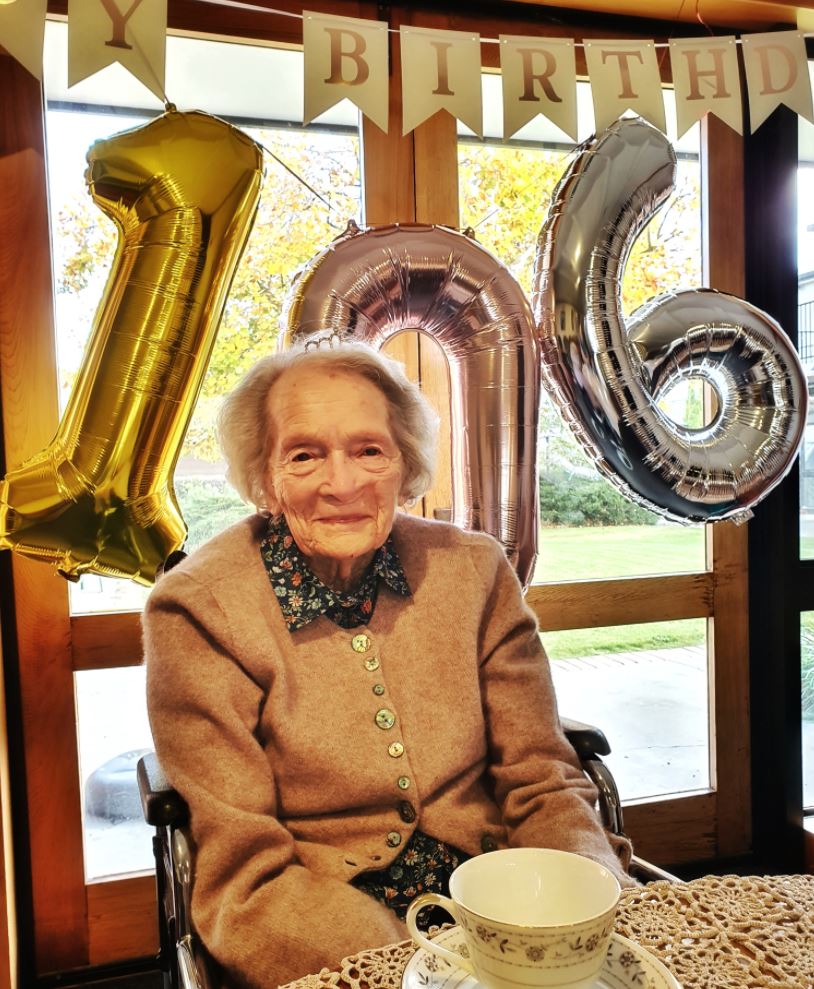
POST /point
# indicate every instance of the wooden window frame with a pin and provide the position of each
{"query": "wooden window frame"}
(409, 178)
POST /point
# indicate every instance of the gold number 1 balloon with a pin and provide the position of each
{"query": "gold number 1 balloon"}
(183, 191)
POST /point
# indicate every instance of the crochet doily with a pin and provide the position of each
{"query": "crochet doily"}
(719, 932)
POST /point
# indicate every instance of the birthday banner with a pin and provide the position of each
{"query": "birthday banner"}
(347, 58)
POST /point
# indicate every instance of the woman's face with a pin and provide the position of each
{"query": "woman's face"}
(335, 469)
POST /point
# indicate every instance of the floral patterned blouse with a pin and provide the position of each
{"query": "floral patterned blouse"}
(424, 864)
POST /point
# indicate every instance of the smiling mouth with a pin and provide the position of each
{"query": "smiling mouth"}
(344, 520)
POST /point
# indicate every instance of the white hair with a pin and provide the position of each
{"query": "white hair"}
(244, 429)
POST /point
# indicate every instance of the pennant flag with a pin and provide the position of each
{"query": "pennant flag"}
(22, 30)
(345, 57)
(539, 76)
(705, 75)
(776, 72)
(624, 76)
(131, 32)
(440, 70)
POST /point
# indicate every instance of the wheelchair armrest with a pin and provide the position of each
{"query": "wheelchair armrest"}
(161, 805)
(587, 741)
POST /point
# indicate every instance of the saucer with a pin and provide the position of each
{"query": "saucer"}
(627, 966)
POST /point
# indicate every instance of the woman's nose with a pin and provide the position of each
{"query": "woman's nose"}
(341, 475)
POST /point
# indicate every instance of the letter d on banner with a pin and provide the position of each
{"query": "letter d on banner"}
(776, 72)
(345, 58)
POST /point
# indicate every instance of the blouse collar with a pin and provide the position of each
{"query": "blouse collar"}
(303, 597)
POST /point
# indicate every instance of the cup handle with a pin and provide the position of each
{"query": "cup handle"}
(425, 900)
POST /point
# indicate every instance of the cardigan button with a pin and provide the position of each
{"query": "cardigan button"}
(378, 689)
(404, 782)
(393, 838)
(395, 749)
(372, 664)
(385, 718)
(407, 812)
(361, 642)
(488, 843)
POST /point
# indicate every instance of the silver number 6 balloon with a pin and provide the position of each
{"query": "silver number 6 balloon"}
(608, 378)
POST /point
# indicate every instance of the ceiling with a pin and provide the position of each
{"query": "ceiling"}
(744, 14)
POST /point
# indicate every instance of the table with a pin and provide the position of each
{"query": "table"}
(718, 932)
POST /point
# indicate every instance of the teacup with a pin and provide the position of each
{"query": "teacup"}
(529, 916)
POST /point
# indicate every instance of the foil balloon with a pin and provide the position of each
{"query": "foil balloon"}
(608, 378)
(376, 283)
(183, 191)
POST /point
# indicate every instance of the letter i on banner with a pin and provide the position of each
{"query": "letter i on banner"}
(345, 57)
(131, 32)
(539, 76)
(624, 76)
(705, 75)
(22, 30)
(440, 70)
(776, 72)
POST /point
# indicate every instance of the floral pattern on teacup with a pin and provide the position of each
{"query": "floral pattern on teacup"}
(535, 948)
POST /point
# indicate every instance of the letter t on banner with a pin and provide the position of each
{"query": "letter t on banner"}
(705, 74)
(624, 76)
(345, 57)
(539, 76)
(776, 72)
(440, 70)
(132, 32)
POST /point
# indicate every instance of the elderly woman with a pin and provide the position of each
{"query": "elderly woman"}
(351, 700)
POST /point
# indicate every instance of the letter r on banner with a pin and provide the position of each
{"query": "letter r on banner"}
(539, 76)
(345, 58)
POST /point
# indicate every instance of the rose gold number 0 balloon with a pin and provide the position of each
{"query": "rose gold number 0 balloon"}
(377, 283)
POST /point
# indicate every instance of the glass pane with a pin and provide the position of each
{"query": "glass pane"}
(645, 686)
(113, 732)
(505, 189)
(807, 684)
(291, 227)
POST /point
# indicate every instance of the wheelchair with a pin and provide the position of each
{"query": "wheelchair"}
(182, 959)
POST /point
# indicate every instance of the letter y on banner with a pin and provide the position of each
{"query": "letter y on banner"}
(440, 70)
(776, 72)
(345, 57)
(131, 32)
(22, 30)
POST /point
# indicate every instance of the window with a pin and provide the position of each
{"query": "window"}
(78, 654)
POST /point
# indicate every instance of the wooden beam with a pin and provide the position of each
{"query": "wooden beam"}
(627, 601)
(122, 919)
(727, 544)
(29, 403)
(104, 642)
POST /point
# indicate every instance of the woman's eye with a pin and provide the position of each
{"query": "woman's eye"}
(302, 457)
(372, 451)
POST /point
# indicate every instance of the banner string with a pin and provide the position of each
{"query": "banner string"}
(241, 5)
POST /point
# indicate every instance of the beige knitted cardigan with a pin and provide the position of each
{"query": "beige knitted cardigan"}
(293, 787)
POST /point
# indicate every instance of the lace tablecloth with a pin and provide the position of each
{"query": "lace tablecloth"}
(719, 932)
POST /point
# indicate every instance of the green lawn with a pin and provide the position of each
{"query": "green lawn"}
(583, 553)
(586, 553)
